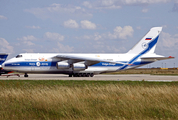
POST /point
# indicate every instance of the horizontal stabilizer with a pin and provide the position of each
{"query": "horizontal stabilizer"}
(155, 58)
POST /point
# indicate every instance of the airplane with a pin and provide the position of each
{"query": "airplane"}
(88, 65)
(3, 57)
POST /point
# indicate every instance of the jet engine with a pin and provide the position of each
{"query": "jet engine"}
(75, 66)
(79, 66)
(63, 65)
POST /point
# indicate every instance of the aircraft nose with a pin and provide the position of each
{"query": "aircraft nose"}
(4, 66)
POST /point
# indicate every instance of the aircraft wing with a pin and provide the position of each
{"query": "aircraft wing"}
(88, 60)
(156, 58)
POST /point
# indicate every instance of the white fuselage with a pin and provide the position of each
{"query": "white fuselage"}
(46, 63)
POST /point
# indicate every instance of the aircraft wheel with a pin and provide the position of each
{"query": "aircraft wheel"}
(84, 75)
(70, 75)
(88, 75)
(75, 75)
(80, 74)
(25, 75)
(91, 74)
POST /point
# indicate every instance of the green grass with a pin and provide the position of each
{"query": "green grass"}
(30, 99)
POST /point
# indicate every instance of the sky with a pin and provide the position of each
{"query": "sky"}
(93, 26)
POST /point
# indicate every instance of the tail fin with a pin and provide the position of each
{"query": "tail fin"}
(148, 42)
(3, 57)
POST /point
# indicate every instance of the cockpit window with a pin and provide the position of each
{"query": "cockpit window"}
(18, 56)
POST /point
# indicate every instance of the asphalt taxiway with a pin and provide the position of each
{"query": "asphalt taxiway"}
(131, 77)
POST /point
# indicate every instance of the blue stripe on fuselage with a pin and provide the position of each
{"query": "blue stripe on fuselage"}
(27, 64)
(53, 63)
(106, 64)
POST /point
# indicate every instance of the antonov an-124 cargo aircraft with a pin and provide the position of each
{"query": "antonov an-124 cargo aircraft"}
(87, 65)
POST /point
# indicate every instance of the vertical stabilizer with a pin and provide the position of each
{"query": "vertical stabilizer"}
(148, 42)
(3, 58)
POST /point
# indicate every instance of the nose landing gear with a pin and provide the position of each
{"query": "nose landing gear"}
(26, 75)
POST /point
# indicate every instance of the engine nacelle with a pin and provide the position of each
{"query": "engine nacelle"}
(62, 65)
(78, 66)
(75, 66)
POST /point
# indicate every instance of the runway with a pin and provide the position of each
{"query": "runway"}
(101, 77)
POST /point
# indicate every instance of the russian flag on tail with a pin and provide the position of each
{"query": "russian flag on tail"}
(148, 38)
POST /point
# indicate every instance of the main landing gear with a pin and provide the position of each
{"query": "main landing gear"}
(26, 75)
(81, 75)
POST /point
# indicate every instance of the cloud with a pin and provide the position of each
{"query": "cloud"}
(60, 12)
(118, 33)
(109, 4)
(29, 43)
(102, 4)
(168, 45)
(121, 33)
(27, 38)
(87, 4)
(117, 4)
(53, 36)
(139, 27)
(85, 24)
(2, 17)
(71, 24)
(175, 8)
(96, 36)
(62, 48)
(85, 37)
(145, 10)
(116, 49)
(141, 2)
(49, 42)
(48, 35)
(164, 26)
(168, 40)
(29, 50)
(33, 27)
(5, 47)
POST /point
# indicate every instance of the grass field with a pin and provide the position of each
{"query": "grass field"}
(88, 100)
